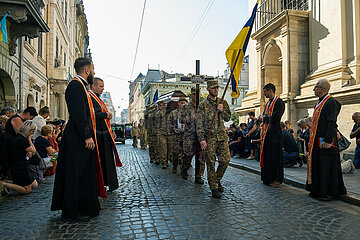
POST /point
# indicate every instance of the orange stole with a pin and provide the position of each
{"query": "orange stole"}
(108, 125)
(99, 176)
(269, 108)
(315, 120)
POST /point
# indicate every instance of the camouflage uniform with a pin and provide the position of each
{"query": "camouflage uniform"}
(153, 147)
(187, 113)
(164, 138)
(142, 136)
(177, 138)
(134, 135)
(217, 144)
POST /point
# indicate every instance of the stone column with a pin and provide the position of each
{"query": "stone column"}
(357, 39)
(62, 106)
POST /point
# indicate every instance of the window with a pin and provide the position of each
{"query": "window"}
(57, 63)
(64, 59)
(40, 53)
(233, 101)
(65, 12)
(27, 39)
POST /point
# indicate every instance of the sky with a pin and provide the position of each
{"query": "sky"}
(166, 31)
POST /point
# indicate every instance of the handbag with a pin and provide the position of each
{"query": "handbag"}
(44, 163)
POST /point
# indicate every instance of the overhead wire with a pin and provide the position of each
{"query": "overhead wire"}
(138, 40)
(193, 33)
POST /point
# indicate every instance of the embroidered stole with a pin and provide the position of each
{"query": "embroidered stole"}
(99, 176)
(269, 108)
(108, 125)
(315, 120)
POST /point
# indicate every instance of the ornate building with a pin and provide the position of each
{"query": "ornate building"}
(296, 43)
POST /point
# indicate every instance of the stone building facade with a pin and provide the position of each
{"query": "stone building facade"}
(296, 43)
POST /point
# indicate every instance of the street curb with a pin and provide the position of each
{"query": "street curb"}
(349, 198)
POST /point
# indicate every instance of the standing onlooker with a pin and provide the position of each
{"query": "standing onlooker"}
(272, 172)
(324, 179)
(217, 143)
(44, 150)
(40, 120)
(78, 179)
(134, 134)
(355, 133)
(290, 148)
(21, 149)
(250, 134)
(12, 128)
(288, 127)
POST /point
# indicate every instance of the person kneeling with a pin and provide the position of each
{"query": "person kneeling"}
(22, 149)
(290, 148)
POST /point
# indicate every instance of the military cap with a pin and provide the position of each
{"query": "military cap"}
(161, 101)
(183, 99)
(212, 83)
(193, 91)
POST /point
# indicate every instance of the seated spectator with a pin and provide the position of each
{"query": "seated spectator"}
(8, 111)
(21, 150)
(256, 139)
(355, 133)
(40, 120)
(288, 127)
(236, 146)
(290, 148)
(249, 134)
(303, 136)
(44, 150)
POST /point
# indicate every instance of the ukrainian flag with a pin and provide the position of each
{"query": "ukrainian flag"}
(236, 52)
(156, 96)
(3, 32)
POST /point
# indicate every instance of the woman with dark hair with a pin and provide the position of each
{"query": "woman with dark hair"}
(21, 150)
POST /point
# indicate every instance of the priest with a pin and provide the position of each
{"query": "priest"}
(324, 176)
(272, 172)
(105, 138)
(78, 179)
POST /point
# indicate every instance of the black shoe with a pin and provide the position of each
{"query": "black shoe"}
(164, 167)
(216, 194)
(325, 198)
(184, 175)
(151, 161)
(220, 187)
(174, 170)
(198, 180)
(157, 163)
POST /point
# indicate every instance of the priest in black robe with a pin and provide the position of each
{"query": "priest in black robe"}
(325, 179)
(272, 172)
(104, 139)
(75, 187)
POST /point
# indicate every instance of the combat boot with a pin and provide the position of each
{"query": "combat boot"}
(174, 170)
(216, 194)
(198, 180)
(220, 187)
(184, 175)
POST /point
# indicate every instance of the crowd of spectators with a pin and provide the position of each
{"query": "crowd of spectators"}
(29, 143)
(245, 139)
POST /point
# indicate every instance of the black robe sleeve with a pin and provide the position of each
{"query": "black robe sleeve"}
(78, 107)
(331, 112)
(278, 111)
(98, 112)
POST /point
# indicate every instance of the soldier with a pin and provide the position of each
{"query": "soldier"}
(163, 135)
(134, 134)
(142, 135)
(177, 133)
(217, 143)
(151, 133)
(188, 117)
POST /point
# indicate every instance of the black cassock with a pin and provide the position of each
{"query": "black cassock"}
(75, 180)
(273, 165)
(326, 167)
(105, 145)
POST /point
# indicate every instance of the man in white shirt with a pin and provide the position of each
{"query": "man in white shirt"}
(40, 121)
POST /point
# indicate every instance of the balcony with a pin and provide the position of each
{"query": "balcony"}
(270, 9)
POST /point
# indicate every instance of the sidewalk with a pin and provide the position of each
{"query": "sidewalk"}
(296, 176)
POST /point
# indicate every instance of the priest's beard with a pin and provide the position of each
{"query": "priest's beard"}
(90, 79)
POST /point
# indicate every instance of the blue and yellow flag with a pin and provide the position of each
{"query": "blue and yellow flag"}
(236, 52)
(156, 95)
(3, 32)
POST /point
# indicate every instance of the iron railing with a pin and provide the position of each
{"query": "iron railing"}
(269, 9)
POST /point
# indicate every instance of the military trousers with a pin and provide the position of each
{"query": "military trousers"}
(219, 149)
(189, 148)
(164, 149)
(152, 142)
(143, 141)
(135, 141)
(177, 149)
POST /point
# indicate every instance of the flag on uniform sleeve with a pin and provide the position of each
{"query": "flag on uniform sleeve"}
(236, 52)
(156, 95)
(3, 31)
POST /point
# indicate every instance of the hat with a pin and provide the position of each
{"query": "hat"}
(212, 83)
(183, 99)
(193, 91)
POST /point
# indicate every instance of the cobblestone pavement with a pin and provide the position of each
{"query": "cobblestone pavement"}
(153, 203)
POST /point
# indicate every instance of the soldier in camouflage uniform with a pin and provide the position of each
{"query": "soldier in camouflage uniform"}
(134, 134)
(188, 117)
(163, 135)
(217, 144)
(142, 135)
(177, 133)
(152, 133)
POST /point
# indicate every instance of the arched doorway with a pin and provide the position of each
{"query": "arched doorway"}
(30, 101)
(273, 67)
(7, 90)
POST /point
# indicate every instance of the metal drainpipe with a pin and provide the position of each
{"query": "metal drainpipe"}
(289, 70)
(20, 73)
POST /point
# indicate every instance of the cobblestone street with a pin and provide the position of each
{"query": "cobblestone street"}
(153, 203)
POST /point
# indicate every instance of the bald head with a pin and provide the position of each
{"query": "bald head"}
(325, 84)
(356, 117)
